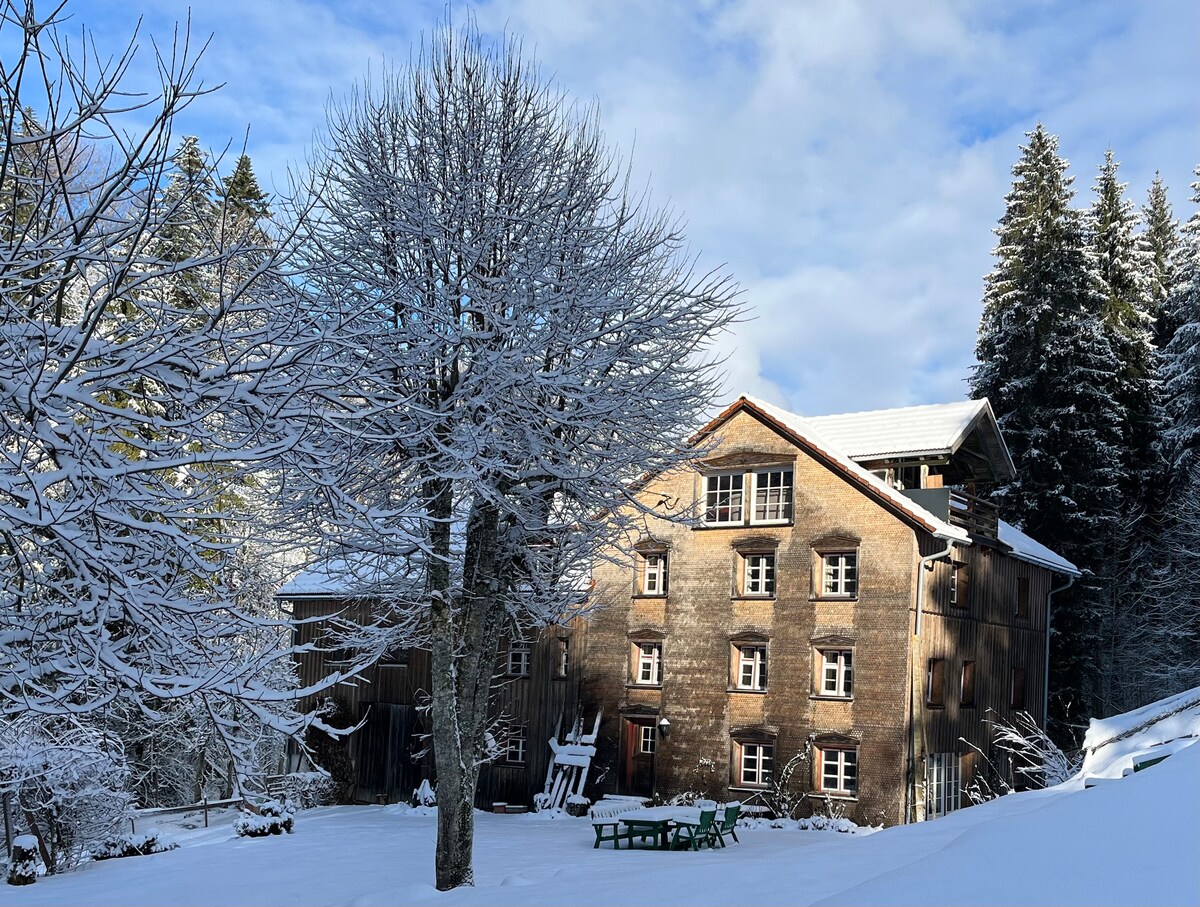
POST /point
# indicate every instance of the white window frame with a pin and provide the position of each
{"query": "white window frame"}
(520, 654)
(841, 661)
(778, 510)
(943, 787)
(646, 739)
(835, 567)
(713, 495)
(954, 568)
(516, 748)
(844, 762)
(756, 763)
(751, 666)
(654, 573)
(758, 574)
(564, 656)
(648, 670)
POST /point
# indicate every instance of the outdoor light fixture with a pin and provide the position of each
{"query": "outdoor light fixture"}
(664, 726)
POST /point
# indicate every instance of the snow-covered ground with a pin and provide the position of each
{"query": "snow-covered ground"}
(1130, 840)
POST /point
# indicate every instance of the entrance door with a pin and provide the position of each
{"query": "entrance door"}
(640, 740)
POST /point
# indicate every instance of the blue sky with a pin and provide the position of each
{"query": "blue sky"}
(846, 160)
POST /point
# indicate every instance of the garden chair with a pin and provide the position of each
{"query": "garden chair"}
(695, 834)
(728, 821)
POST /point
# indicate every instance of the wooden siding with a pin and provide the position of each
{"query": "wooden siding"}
(387, 695)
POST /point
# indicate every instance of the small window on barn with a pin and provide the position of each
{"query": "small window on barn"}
(935, 683)
(967, 695)
(1017, 689)
(519, 652)
(958, 586)
(563, 666)
(516, 747)
(1022, 611)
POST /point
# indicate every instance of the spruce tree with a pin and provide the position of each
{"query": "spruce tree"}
(1121, 269)
(243, 196)
(1158, 243)
(1181, 357)
(1047, 363)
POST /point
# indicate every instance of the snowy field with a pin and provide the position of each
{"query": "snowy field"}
(1129, 841)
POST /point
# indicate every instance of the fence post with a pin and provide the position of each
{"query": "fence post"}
(206, 812)
(8, 835)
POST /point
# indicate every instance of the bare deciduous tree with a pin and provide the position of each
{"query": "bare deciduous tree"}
(128, 409)
(519, 339)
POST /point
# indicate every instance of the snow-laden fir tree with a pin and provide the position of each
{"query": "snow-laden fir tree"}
(137, 385)
(1158, 241)
(1181, 357)
(1047, 363)
(520, 338)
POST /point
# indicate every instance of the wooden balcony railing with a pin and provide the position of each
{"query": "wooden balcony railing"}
(976, 515)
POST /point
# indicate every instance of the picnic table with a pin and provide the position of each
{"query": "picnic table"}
(654, 822)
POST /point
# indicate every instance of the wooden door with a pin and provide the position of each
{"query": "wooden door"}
(641, 739)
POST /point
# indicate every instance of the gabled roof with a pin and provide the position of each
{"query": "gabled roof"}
(933, 430)
(803, 434)
(949, 422)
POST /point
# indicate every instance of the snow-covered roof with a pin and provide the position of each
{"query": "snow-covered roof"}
(1023, 548)
(804, 429)
(333, 577)
(935, 429)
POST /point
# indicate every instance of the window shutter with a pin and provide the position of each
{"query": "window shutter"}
(1018, 688)
(967, 696)
(936, 693)
(1022, 598)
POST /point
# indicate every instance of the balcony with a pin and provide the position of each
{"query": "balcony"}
(977, 516)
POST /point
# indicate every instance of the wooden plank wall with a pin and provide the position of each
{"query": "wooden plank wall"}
(387, 695)
(984, 629)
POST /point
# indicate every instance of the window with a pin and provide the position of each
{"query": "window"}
(772, 496)
(967, 696)
(839, 574)
(653, 574)
(958, 585)
(646, 738)
(837, 673)
(564, 656)
(1023, 598)
(723, 499)
(751, 666)
(1017, 697)
(518, 657)
(515, 747)
(755, 763)
(758, 575)
(941, 784)
(935, 683)
(839, 770)
(648, 667)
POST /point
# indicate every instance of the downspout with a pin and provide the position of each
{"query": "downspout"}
(1046, 680)
(915, 691)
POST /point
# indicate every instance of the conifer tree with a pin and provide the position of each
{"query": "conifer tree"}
(1047, 363)
(1120, 265)
(1181, 357)
(245, 199)
(1158, 243)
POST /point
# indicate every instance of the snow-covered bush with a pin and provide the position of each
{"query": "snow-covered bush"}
(133, 845)
(577, 805)
(308, 789)
(824, 823)
(22, 867)
(273, 818)
(425, 795)
(68, 783)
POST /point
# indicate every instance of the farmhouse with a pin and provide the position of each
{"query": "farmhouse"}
(832, 601)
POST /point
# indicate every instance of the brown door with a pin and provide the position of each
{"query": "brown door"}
(640, 742)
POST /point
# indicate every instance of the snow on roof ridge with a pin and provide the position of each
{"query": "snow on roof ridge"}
(804, 428)
(971, 404)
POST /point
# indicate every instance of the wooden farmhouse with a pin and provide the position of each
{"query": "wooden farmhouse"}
(832, 602)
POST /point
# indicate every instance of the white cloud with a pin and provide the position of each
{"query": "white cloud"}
(848, 159)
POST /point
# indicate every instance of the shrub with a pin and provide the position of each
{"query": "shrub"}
(132, 845)
(22, 870)
(273, 818)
